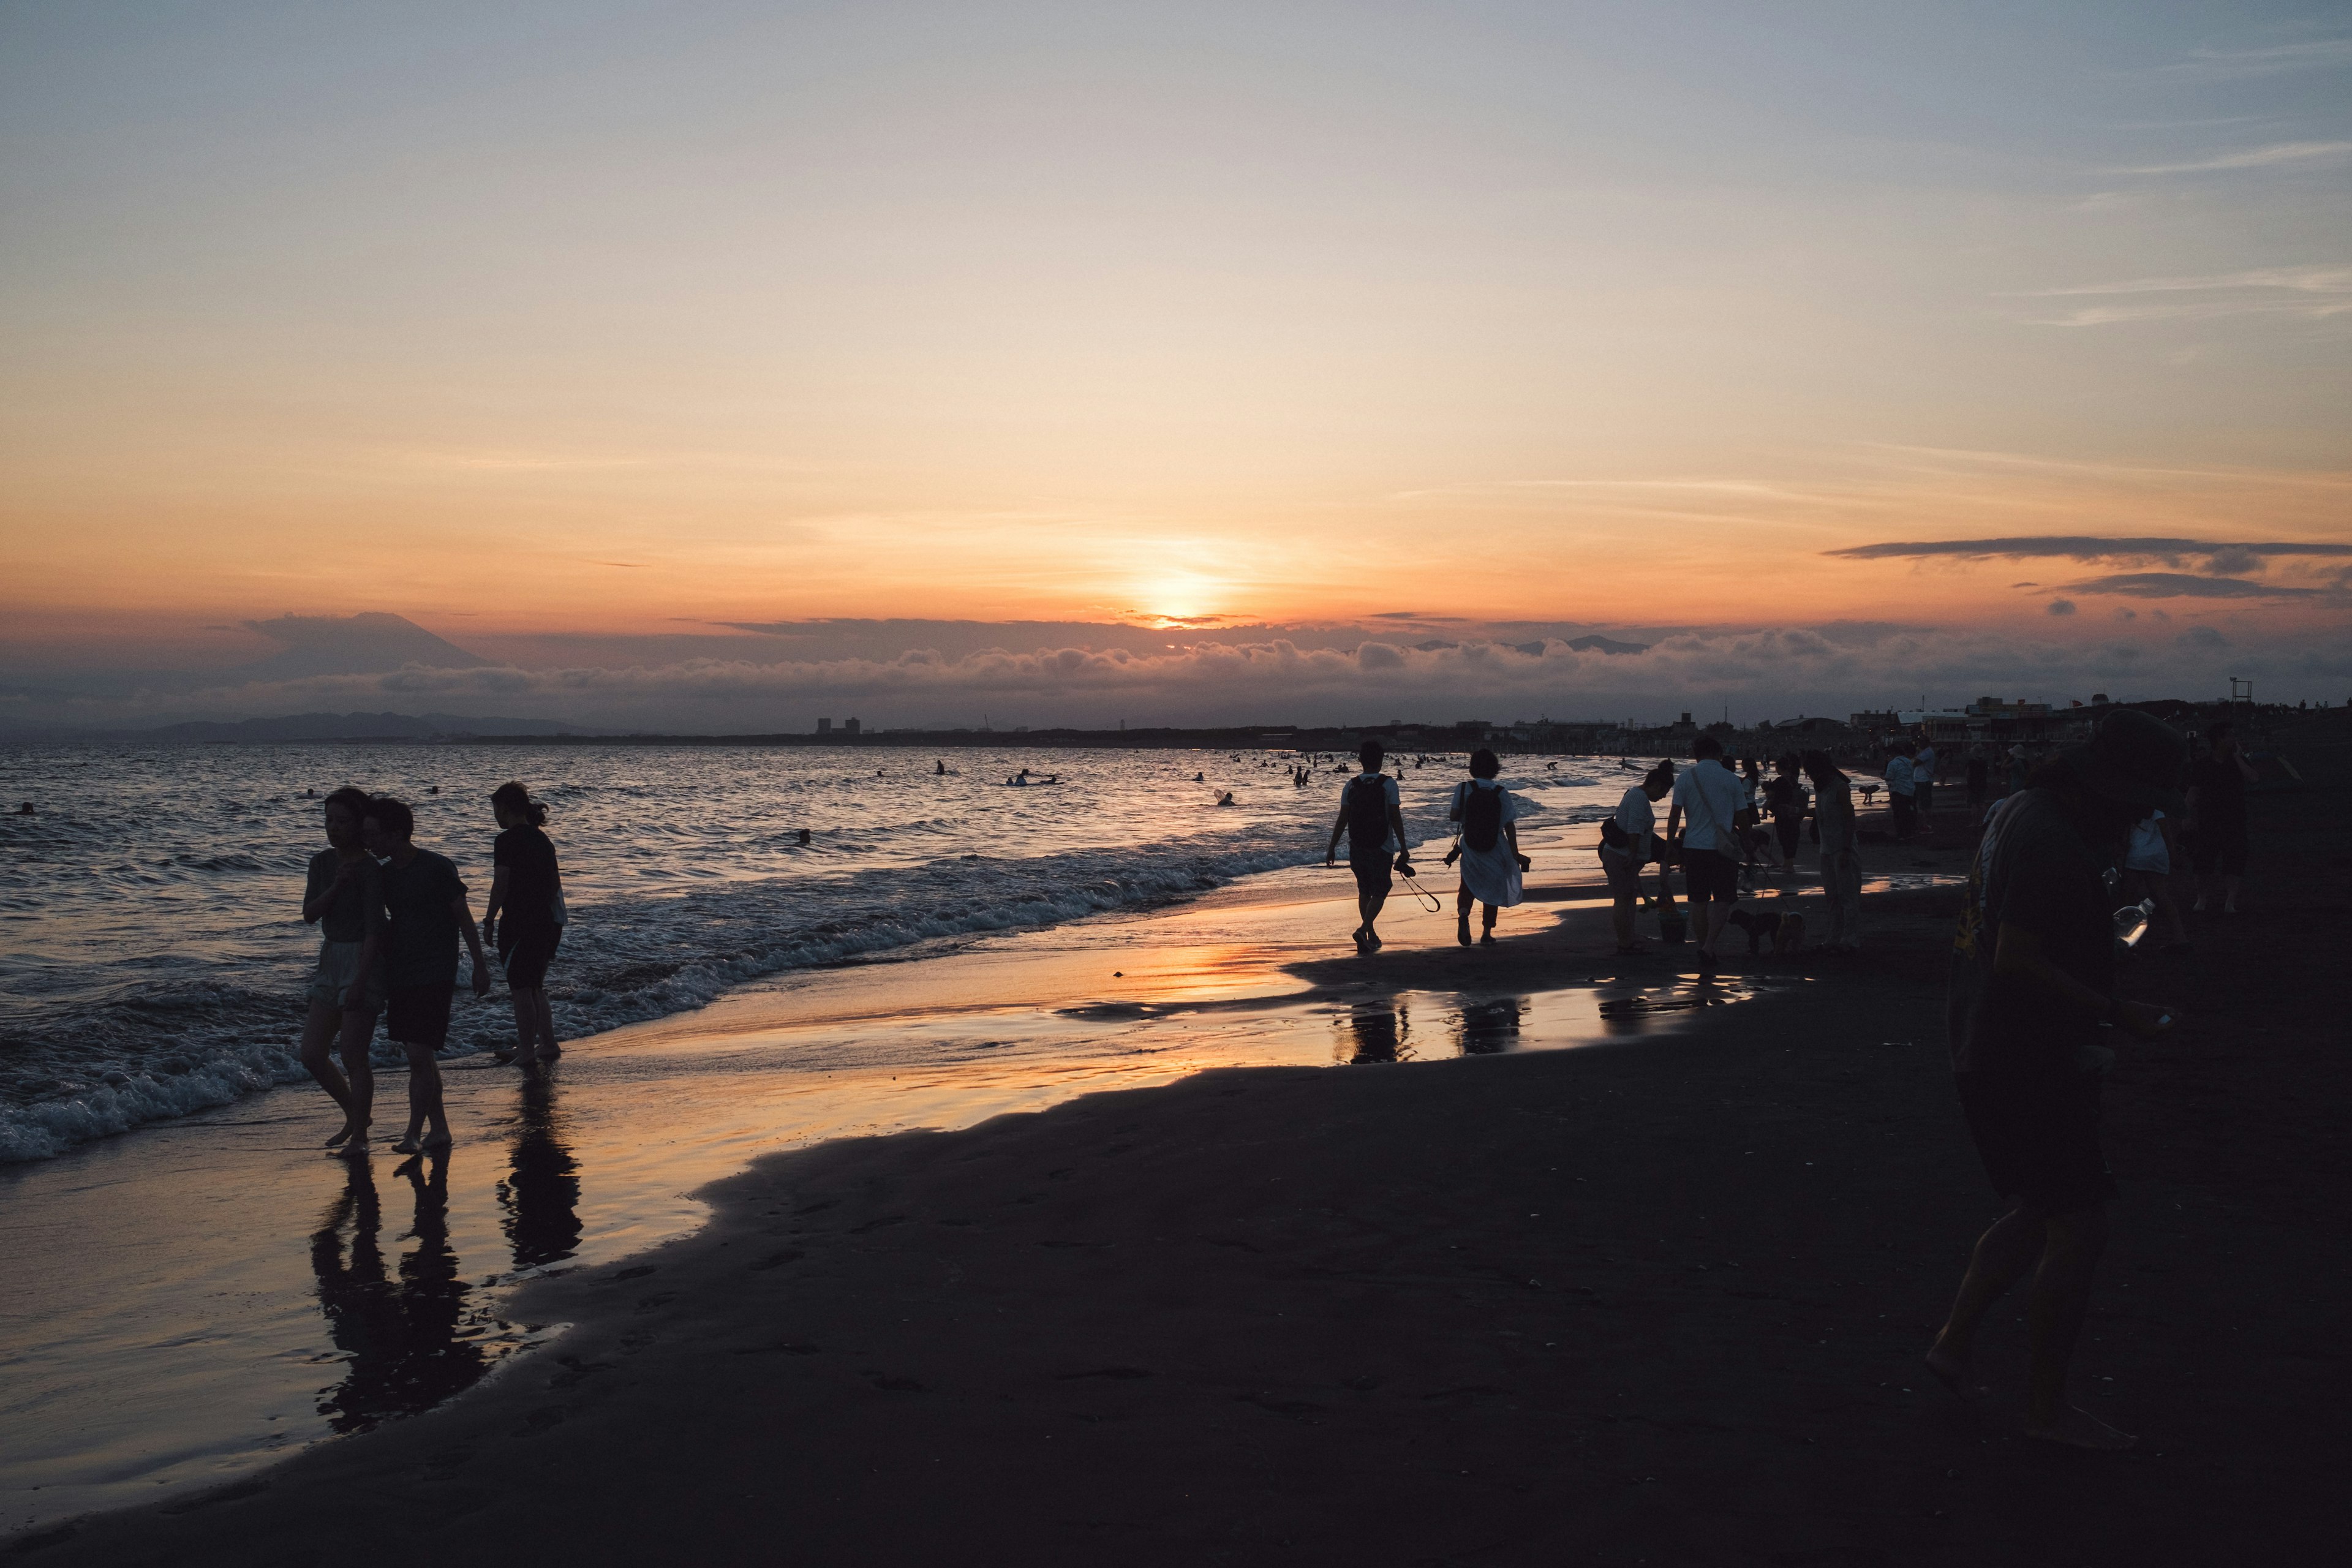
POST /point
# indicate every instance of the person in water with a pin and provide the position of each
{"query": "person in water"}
(526, 916)
(1489, 846)
(1373, 823)
(343, 897)
(2032, 989)
(427, 903)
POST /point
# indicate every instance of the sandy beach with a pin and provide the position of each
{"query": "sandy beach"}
(1660, 1298)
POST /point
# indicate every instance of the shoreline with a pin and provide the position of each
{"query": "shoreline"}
(1379, 1311)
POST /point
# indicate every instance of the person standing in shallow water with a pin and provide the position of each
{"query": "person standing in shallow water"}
(526, 917)
(343, 897)
(1372, 820)
(2033, 991)
(426, 902)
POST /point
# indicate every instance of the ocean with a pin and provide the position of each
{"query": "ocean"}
(153, 957)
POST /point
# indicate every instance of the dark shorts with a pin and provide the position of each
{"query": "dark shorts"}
(1901, 806)
(1707, 874)
(419, 1014)
(2219, 849)
(1372, 874)
(2039, 1138)
(1923, 797)
(527, 954)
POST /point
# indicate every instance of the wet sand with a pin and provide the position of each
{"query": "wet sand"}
(1660, 1300)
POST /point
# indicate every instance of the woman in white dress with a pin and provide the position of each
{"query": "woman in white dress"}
(1489, 846)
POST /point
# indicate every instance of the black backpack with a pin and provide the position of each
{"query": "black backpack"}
(1482, 819)
(1367, 798)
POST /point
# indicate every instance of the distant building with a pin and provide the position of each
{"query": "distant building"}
(849, 726)
(824, 726)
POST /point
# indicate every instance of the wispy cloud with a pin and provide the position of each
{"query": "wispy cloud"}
(2311, 292)
(2181, 586)
(2267, 157)
(2312, 54)
(2084, 547)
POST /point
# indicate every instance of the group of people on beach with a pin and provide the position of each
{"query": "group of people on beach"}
(391, 917)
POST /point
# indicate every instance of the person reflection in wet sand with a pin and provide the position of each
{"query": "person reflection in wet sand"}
(541, 1195)
(1379, 1031)
(402, 1341)
(1490, 1029)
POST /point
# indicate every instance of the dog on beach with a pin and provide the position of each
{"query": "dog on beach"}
(1786, 931)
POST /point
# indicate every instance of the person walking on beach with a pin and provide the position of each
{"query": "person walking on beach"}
(1710, 797)
(1373, 821)
(1923, 785)
(1489, 846)
(2147, 874)
(525, 917)
(1900, 782)
(2217, 816)
(1980, 785)
(1628, 842)
(343, 897)
(1841, 851)
(1784, 800)
(426, 902)
(2032, 989)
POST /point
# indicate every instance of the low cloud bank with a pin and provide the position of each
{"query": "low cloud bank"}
(1772, 673)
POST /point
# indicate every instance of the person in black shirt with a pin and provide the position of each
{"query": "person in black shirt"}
(526, 917)
(2032, 989)
(2217, 816)
(427, 901)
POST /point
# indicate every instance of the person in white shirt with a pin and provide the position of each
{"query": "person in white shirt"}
(1711, 797)
(1629, 841)
(2148, 873)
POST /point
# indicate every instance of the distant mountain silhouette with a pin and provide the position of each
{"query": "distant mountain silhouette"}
(373, 643)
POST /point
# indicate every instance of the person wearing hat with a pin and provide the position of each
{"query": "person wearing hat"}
(2031, 997)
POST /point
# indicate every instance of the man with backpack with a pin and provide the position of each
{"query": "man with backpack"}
(1373, 823)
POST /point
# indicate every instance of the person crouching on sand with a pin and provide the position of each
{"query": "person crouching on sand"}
(525, 918)
(1373, 822)
(1489, 846)
(427, 901)
(344, 899)
(1628, 842)
(2033, 983)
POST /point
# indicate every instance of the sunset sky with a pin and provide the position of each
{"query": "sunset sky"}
(1839, 353)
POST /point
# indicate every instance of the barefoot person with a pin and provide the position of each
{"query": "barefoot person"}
(1629, 841)
(344, 899)
(1373, 824)
(426, 902)
(1711, 797)
(2032, 982)
(1841, 857)
(1489, 847)
(525, 917)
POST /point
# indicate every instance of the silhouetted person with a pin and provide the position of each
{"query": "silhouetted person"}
(1784, 802)
(1488, 849)
(1901, 785)
(426, 902)
(1840, 850)
(343, 897)
(1372, 821)
(2032, 982)
(526, 916)
(2217, 817)
(1629, 841)
(1710, 797)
